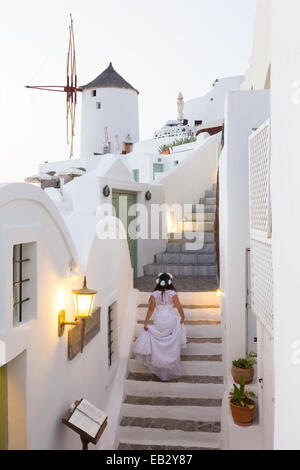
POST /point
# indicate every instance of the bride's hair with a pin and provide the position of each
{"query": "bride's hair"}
(164, 282)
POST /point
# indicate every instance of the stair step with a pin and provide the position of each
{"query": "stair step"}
(200, 216)
(191, 313)
(123, 446)
(175, 411)
(202, 358)
(196, 357)
(205, 299)
(190, 368)
(185, 258)
(201, 208)
(210, 193)
(166, 402)
(181, 247)
(195, 226)
(173, 437)
(208, 201)
(194, 331)
(189, 322)
(202, 349)
(146, 376)
(188, 387)
(204, 340)
(171, 424)
(205, 270)
(199, 239)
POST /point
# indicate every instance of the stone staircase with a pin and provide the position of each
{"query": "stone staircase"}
(182, 256)
(184, 413)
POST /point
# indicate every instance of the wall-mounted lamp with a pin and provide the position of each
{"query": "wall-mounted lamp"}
(84, 301)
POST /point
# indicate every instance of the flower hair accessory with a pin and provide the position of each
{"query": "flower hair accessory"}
(162, 282)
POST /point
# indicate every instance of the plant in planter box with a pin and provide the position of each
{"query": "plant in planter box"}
(241, 404)
(244, 367)
(164, 149)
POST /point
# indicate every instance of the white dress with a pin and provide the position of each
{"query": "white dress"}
(159, 347)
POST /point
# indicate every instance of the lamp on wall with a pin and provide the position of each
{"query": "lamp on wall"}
(84, 301)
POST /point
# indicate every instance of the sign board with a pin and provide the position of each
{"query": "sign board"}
(87, 420)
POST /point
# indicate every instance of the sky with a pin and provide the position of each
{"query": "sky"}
(161, 47)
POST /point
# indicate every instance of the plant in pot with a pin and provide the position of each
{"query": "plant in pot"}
(244, 367)
(164, 149)
(241, 404)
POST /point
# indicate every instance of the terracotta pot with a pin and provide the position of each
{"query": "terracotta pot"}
(165, 152)
(248, 374)
(243, 416)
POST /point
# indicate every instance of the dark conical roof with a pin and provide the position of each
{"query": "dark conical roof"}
(109, 79)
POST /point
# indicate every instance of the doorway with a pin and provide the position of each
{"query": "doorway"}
(122, 201)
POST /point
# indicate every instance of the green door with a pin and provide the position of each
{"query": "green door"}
(120, 200)
(157, 168)
(3, 409)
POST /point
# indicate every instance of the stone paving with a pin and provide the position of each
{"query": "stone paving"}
(197, 358)
(182, 283)
(155, 447)
(171, 401)
(193, 379)
(171, 424)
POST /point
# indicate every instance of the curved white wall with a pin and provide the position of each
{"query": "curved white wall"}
(52, 382)
(119, 112)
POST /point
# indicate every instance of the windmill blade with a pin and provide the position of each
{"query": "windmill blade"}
(70, 88)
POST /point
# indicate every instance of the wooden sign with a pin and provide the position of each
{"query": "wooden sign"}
(87, 420)
(91, 329)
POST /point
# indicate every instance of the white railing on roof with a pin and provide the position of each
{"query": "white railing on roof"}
(261, 225)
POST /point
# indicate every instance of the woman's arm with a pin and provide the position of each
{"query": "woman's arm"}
(178, 305)
(151, 309)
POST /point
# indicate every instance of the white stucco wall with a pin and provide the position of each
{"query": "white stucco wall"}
(119, 113)
(86, 197)
(52, 381)
(285, 168)
(210, 107)
(259, 63)
(187, 182)
(244, 111)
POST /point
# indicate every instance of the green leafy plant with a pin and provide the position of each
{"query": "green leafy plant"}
(175, 143)
(246, 362)
(185, 140)
(163, 148)
(240, 397)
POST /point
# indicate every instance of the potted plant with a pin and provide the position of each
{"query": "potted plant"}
(242, 407)
(164, 149)
(244, 367)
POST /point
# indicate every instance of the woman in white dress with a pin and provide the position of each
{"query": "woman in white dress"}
(158, 347)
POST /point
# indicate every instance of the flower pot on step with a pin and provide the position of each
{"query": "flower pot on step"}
(248, 374)
(165, 152)
(243, 416)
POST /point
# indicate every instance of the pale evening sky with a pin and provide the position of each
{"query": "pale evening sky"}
(161, 47)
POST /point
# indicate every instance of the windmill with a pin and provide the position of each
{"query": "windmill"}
(71, 89)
